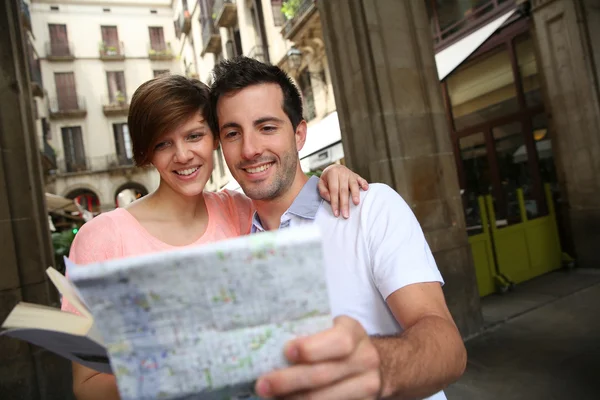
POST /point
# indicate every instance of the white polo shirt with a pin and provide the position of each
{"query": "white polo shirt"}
(378, 250)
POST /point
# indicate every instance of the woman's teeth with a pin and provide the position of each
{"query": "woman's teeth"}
(186, 172)
(258, 169)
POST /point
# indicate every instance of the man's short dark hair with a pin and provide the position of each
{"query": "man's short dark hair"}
(241, 72)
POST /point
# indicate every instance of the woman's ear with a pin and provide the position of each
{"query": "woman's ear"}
(216, 144)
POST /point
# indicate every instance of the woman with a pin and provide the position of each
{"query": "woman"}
(179, 213)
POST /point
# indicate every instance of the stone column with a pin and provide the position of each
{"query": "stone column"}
(567, 38)
(26, 372)
(394, 127)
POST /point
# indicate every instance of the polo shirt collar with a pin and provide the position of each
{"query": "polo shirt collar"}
(305, 205)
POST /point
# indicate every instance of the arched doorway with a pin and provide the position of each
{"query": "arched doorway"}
(86, 198)
(128, 193)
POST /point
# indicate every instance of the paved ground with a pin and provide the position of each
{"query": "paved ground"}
(543, 342)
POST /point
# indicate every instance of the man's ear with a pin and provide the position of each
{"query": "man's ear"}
(216, 144)
(301, 135)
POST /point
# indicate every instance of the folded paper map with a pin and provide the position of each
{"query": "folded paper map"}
(206, 322)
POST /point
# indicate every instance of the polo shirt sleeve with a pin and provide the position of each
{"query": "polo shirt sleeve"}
(399, 253)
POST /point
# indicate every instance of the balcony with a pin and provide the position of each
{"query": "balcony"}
(297, 18)
(59, 51)
(118, 105)
(257, 53)
(225, 13)
(160, 53)
(185, 22)
(450, 22)
(35, 75)
(110, 52)
(25, 16)
(68, 107)
(211, 39)
(48, 156)
(113, 163)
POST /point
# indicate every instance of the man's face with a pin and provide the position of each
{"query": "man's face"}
(258, 141)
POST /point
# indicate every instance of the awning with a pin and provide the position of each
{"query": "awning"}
(56, 203)
(322, 134)
(452, 56)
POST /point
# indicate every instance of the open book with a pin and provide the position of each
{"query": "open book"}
(205, 320)
(69, 335)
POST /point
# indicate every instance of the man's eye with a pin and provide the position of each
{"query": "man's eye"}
(269, 128)
(230, 135)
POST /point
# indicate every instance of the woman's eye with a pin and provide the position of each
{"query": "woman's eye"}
(195, 136)
(160, 146)
(230, 135)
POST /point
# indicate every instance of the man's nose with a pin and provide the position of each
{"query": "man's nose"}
(250, 147)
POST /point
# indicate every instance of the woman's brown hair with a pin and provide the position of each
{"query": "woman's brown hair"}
(161, 104)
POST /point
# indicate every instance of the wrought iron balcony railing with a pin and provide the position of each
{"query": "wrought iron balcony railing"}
(211, 39)
(224, 13)
(300, 14)
(67, 107)
(110, 52)
(164, 52)
(59, 51)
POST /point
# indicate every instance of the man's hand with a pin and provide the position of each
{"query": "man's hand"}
(339, 363)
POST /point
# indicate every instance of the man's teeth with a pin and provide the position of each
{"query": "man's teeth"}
(258, 169)
(188, 171)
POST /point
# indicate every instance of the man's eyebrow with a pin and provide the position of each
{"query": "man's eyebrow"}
(267, 119)
(230, 125)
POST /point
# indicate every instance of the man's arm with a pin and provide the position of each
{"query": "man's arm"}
(93, 385)
(410, 362)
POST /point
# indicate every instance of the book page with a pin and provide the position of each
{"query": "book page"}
(207, 320)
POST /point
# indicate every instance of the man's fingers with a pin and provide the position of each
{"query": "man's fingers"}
(323, 191)
(355, 191)
(340, 341)
(310, 377)
(365, 386)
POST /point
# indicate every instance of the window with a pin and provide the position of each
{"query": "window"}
(483, 89)
(110, 40)
(307, 95)
(66, 92)
(116, 87)
(123, 144)
(159, 72)
(157, 39)
(73, 149)
(59, 41)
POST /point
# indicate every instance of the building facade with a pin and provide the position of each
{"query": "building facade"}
(92, 57)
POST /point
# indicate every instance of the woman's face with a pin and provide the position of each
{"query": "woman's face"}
(184, 156)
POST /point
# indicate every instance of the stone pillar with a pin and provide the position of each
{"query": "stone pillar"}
(568, 54)
(26, 372)
(394, 127)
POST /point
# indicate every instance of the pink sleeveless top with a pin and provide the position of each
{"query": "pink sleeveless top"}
(118, 234)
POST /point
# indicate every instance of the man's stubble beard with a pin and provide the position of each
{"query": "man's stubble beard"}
(280, 184)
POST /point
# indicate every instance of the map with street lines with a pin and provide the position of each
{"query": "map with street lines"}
(206, 322)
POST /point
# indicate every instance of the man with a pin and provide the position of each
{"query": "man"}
(393, 335)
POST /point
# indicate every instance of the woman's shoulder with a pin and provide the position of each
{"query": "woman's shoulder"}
(234, 207)
(99, 238)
